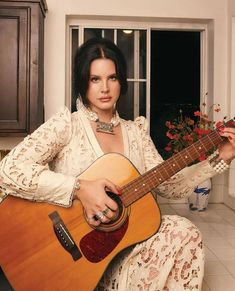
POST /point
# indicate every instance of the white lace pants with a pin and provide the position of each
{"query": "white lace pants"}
(171, 260)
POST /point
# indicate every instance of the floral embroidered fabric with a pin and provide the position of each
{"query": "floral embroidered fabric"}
(171, 260)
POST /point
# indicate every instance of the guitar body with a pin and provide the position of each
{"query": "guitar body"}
(31, 256)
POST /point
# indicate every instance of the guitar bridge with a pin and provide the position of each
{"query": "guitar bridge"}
(64, 236)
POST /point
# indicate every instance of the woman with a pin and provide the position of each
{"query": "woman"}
(172, 259)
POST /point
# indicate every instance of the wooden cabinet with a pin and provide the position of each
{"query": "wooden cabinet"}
(21, 66)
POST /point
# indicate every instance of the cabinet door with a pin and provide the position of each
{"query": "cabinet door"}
(14, 61)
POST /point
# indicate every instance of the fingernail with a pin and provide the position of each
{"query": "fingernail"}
(119, 192)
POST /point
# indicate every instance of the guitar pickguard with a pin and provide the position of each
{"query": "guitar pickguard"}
(97, 245)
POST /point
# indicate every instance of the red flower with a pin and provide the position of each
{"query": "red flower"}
(171, 136)
(170, 125)
(187, 137)
(168, 148)
(197, 113)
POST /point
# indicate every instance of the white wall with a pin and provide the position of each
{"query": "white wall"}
(55, 43)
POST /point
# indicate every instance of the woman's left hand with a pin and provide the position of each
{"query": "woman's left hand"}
(227, 149)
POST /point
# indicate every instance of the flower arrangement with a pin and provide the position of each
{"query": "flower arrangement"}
(184, 131)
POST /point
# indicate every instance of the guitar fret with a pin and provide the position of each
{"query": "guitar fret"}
(158, 178)
(196, 151)
(188, 156)
(170, 169)
(218, 139)
(175, 165)
(155, 178)
(163, 168)
(182, 159)
(202, 147)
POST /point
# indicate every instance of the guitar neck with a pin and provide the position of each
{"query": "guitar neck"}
(151, 179)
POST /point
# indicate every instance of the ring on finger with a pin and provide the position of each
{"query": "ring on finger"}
(106, 211)
(99, 215)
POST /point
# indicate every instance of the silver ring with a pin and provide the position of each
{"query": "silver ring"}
(106, 211)
(99, 215)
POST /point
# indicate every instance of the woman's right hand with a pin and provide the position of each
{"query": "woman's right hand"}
(95, 200)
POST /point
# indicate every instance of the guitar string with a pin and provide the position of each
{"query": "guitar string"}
(152, 180)
(210, 142)
(169, 162)
(136, 187)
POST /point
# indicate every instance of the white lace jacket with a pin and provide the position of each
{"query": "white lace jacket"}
(44, 165)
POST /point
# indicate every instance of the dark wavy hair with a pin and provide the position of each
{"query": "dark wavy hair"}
(96, 48)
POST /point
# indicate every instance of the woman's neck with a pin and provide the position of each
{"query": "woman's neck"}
(105, 116)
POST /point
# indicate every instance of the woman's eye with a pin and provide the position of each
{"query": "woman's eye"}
(113, 78)
(94, 79)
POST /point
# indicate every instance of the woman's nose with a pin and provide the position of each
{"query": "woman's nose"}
(105, 86)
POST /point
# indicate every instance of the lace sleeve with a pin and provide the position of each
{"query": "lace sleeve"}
(181, 184)
(25, 171)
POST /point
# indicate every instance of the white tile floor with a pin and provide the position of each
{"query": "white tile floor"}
(217, 225)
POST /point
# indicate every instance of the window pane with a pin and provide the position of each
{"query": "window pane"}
(125, 104)
(175, 79)
(125, 42)
(96, 32)
(142, 99)
(75, 37)
(109, 34)
(92, 32)
(142, 56)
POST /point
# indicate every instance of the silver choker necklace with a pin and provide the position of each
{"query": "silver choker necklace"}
(104, 127)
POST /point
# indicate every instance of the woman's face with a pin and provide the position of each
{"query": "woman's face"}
(103, 87)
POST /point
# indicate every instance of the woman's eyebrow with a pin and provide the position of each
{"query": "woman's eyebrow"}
(110, 75)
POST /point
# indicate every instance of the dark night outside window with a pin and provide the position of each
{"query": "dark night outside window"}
(175, 79)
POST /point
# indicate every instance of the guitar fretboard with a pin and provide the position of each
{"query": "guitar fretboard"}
(151, 179)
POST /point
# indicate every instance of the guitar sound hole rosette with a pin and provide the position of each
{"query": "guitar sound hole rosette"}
(122, 215)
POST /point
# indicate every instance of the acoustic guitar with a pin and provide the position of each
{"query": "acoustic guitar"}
(48, 247)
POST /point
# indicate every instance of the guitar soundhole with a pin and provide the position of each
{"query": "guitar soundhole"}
(116, 198)
(121, 215)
